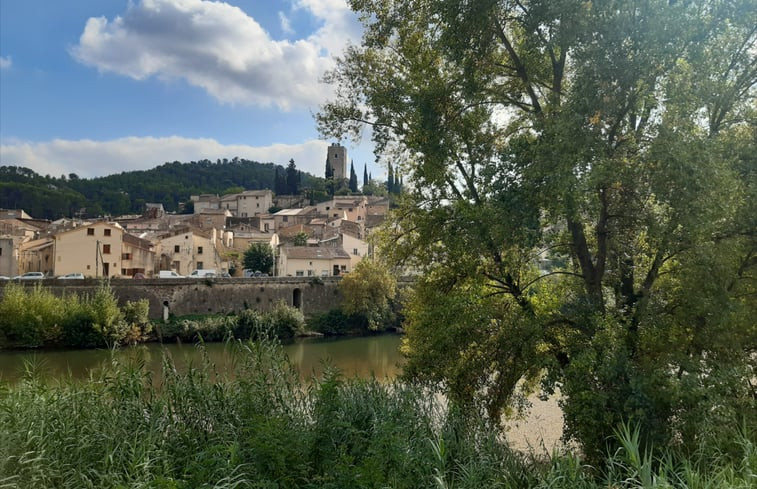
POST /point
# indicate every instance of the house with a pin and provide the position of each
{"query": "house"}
(308, 261)
(137, 256)
(352, 207)
(13, 233)
(289, 217)
(356, 248)
(244, 204)
(94, 249)
(188, 249)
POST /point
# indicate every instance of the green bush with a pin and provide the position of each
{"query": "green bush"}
(30, 317)
(286, 321)
(337, 322)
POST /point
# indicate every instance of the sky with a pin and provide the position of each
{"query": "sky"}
(96, 87)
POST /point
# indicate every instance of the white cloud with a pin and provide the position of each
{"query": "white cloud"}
(88, 158)
(5, 62)
(286, 26)
(220, 48)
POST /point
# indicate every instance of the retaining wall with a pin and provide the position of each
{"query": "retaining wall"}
(212, 295)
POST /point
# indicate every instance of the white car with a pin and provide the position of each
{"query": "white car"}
(30, 276)
(72, 276)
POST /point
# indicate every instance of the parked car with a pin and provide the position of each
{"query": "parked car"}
(3, 277)
(139, 276)
(72, 276)
(202, 273)
(30, 276)
(169, 274)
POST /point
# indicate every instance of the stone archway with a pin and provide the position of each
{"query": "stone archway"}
(297, 298)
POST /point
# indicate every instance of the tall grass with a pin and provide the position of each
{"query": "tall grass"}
(259, 427)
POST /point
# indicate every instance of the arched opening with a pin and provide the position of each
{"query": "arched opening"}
(297, 298)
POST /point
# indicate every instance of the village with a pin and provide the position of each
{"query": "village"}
(319, 240)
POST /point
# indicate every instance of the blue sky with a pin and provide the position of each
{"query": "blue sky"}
(95, 87)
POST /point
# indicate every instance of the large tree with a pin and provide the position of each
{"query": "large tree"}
(580, 200)
(259, 257)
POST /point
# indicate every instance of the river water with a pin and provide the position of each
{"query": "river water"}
(360, 356)
(354, 357)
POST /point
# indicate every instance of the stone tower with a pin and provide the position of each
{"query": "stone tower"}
(337, 156)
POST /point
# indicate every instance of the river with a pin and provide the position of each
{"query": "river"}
(354, 356)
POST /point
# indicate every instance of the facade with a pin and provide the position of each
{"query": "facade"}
(353, 208)
(188, 250)
(307, 261)
(93, 249)
(253, 202)
(137, 256)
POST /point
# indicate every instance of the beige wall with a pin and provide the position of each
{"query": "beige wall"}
(313, 267)
(76, 250)
(186, 252)
(356, 248)
(36, 256)
(253, 203)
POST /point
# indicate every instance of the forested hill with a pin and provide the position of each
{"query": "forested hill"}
(171, 184)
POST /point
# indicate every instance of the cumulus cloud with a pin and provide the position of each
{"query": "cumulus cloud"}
(5, 62)
(220, 48)
(88, 158)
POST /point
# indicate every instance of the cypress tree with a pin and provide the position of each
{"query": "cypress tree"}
(353, 178)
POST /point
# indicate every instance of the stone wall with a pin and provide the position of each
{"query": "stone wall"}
(211, 296)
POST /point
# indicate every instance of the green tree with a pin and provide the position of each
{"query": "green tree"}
(369, 291)
(259, 257)
(301, 239)
(292, 178)
(353, 178)
(579, 200)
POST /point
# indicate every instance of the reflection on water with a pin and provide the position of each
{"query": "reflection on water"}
(362, 357)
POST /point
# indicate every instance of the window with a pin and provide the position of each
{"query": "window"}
(299, 273)
(106, 249)
(90, 231)
(354, 251)
(310, 273)
(349, 210)
(328, 208)
(199, 252)
(126, 256)
(200, 265)
(176, 248)
(343, 267)
(106, 232)
(286, 219)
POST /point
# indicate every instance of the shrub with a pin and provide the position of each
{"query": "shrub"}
(336, 322)
(286, 321)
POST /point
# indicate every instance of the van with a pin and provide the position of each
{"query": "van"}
(202, 273)
(169, 274)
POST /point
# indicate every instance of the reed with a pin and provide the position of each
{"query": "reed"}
(260, 427)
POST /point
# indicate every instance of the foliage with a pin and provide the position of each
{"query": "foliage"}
(259, 426)
(300, 239)
(292, 179)
(579, 199)
(170, 184)
(287, 321)
(259, 257)
(34, 317)
(353, 178)
(369, 291)
(335, 322)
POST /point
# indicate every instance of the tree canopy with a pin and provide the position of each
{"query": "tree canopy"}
(579, 198)
(259, 257)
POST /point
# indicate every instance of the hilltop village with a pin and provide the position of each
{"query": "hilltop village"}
(307, 239)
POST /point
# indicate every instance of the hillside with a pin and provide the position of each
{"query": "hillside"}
(171, 184)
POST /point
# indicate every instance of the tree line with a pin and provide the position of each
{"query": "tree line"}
(170, 184)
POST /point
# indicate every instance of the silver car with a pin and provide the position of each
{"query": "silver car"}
(30, 276)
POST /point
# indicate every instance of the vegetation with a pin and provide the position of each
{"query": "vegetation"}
(34, 317)
(258, 426)
(259, 257)
(368, 303)
(580, 200)
(170, 184)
